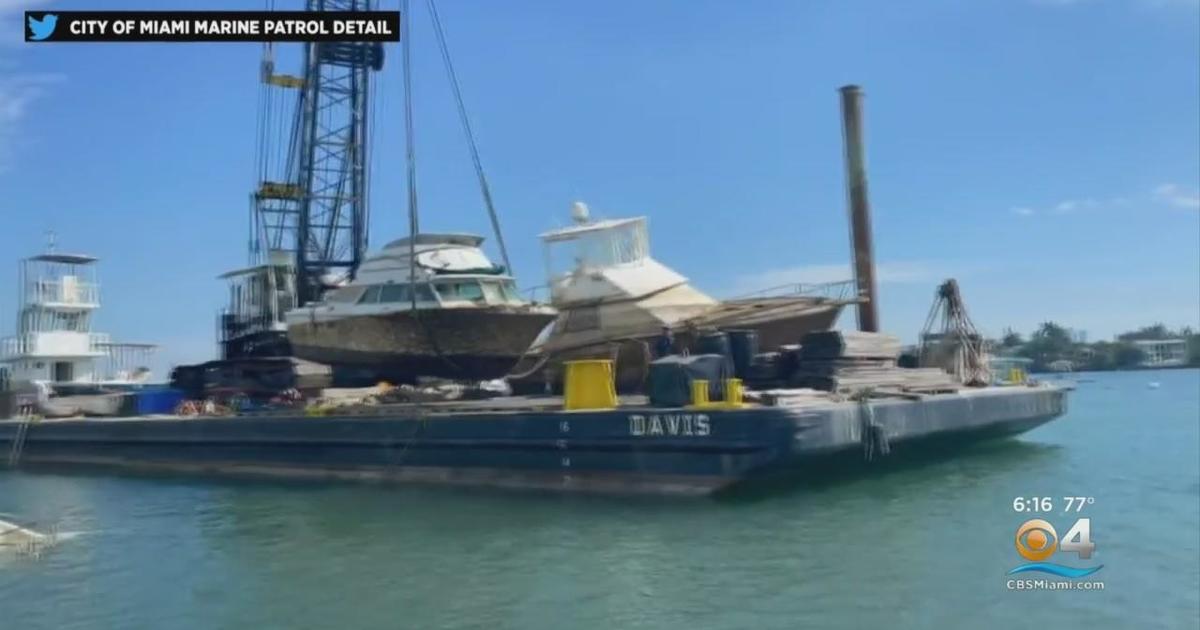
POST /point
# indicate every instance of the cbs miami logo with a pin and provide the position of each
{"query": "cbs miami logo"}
(1037, 541)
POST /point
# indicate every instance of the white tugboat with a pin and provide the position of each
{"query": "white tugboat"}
(54, 353)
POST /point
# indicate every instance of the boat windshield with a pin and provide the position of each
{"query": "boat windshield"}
(619, 244)
(509, 289)
(394, 293)
(501, 292)
(461, 291)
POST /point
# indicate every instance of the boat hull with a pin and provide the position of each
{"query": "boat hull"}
(515, 444)
(784, 327)
(461, 344)
(775, 324)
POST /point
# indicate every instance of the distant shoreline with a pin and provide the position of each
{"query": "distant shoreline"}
(1123, 369)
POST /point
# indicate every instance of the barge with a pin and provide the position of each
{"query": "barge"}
(535, 443)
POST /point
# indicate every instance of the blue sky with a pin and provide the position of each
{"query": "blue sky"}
(1045, 153)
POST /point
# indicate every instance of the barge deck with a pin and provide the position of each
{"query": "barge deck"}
(533, 443)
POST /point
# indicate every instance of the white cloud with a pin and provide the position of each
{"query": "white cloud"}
(18, 89)
(1178, 197)
(1170, 194)
(896, 272)
(17, 93)
(1071, 205)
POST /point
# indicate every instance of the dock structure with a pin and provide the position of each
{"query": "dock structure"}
(533, 443)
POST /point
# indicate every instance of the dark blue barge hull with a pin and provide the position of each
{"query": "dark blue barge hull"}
(626, 450)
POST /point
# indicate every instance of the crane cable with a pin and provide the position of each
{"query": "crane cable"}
(410, 158)
(470, 135)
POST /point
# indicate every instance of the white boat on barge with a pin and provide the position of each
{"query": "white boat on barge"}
(613, 299)
(466, 320)
(55, 365)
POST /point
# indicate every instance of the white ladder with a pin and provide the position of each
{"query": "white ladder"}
(18, 440)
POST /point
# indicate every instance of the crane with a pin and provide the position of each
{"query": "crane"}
(950, 340)
(319, 212)
(309, 210)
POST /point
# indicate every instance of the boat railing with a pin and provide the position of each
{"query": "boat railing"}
(15, 346)
(99, 342)
(28, 344)
(233, 324)
(60, 292)
(840, 290)
(540, 294)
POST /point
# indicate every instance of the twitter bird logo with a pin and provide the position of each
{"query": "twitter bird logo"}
(43, 28)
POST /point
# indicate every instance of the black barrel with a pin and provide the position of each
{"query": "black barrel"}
(714, 343)
(743, 346)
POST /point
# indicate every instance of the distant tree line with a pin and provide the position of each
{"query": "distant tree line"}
(1052, 342)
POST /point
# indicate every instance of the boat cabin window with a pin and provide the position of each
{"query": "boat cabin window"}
(346, 295)
(395, 293)
(580, 319)
(461, 290)
(494, 293)
(371, 296)
(509, 289)
(400, 293)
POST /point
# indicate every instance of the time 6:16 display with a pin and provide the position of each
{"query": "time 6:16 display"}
(1033, 504)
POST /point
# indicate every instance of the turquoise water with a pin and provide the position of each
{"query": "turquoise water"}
(922, 546)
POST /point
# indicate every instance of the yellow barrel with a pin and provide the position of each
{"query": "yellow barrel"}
(1016, 375)
(733, 392)
(589, 385)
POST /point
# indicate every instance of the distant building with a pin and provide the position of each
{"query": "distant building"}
(1062, 365)
(1163, 352)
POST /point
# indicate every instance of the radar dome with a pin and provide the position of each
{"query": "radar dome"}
(579, 212)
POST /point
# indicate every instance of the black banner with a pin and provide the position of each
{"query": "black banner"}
(212, 26)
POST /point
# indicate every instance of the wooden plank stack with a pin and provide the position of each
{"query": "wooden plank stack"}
(836, 344)
(848, 362)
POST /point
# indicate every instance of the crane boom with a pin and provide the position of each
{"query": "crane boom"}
(309, 210)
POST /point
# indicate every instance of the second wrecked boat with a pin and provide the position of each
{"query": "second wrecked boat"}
(613, 299)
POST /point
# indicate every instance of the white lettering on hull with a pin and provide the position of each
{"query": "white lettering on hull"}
(670, 424)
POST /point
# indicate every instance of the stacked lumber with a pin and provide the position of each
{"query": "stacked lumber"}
(849, 362)
(833, 367)
(836, 344)
(897, 378)
(790, 397)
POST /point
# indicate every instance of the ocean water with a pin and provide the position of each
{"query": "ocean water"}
(921, 545)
